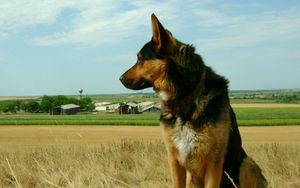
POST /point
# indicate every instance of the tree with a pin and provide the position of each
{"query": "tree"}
(49, 102)
(46, 103)
(33, 107)
(60, 100)
(86, 104)
(8, 106)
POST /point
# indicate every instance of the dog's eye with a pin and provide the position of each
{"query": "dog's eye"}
(139, 57)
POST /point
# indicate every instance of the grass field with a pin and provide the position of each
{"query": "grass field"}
(255, 115)
(124, 156)
(76, 154)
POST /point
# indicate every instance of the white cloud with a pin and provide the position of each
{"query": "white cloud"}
(105, 24)
(255, 29)
(16, 14)
(108, 21)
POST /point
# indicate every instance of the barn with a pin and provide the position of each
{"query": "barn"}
(128, 108)
(151, 109)
(69, 109)
(66, 109)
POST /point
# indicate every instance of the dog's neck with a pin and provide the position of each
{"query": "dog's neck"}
(175, 106)
(194, 104)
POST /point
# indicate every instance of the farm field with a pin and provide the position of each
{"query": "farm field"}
(32, 136)
(247, 115)
(40, 150)
(124, 156)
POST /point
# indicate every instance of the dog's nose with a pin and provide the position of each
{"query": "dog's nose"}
(121, 78)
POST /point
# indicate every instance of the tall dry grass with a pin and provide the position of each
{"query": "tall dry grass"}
(280, 163)
(120, 164)
(127, 163)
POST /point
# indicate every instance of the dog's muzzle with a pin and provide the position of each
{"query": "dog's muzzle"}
(134, 84)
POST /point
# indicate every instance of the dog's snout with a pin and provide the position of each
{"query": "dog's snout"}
(126, 81)
(121, 78)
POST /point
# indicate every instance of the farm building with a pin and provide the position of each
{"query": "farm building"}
(148, 107)
(151, 109)
(113, 108)
(66, 109)
(102, 103)
(144, 105)
(101, 106)
(55, 110)
(128, 108)
(107, 107)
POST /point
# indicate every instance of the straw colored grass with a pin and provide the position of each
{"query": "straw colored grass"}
(131, 159)
(125, 163)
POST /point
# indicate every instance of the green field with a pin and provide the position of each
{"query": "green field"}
(245, 117)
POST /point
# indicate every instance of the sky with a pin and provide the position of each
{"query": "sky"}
(54, 47)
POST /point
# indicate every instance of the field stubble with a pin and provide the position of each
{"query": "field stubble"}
(92, 156)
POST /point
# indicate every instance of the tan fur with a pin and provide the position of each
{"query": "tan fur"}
(153, 71)
(250, 175)
(204, 163)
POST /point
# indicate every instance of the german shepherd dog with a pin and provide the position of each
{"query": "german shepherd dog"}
(199, 126)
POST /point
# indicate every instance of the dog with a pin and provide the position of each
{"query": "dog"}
(199, 126)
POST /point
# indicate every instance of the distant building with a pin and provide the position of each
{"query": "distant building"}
(65, 109)
(107, 107)
(113, 108)
(128, 108)
(55, 111)
(149, 107)
(101, 106)
(102, 103)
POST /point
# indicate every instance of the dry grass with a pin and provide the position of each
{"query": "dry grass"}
(74, 157)
(280, 163)
(121, 164)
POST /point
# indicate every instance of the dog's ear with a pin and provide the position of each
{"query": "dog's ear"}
(161, 38)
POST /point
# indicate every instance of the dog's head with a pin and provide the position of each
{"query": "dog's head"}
(159, 60)
(150, 68)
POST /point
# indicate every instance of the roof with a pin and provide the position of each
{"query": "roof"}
(102, 103)
(113, 106)
(147, 103)
(69, 106)
(132, 104)
(100, 108)
(150, 106)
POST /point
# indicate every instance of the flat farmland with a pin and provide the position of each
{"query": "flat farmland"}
(105, 150)
(23, 136)
(247, 115)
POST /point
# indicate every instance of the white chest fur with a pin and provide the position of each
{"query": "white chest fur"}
(184, 139)
(163, 96)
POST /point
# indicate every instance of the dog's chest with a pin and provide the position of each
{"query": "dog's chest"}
(184, 139)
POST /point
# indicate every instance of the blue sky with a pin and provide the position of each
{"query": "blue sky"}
(58, 46)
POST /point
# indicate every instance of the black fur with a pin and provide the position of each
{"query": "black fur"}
(185, 71)
(235, 154)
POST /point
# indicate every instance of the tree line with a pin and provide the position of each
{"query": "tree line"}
(44, 104)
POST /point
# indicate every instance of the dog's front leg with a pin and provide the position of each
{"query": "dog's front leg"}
(213, 175)
(178, 172)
